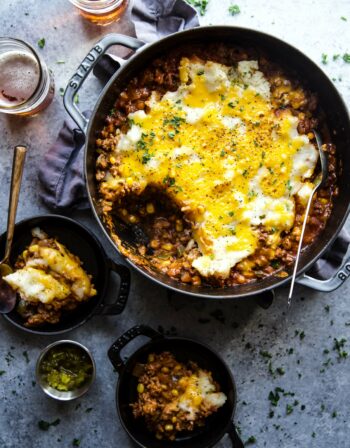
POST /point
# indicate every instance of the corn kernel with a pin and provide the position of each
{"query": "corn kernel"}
(179, 226)
(133, 219)
(150, 208)
(174, 392)
(310, 135)
(124, 212)
(150, 358)
(140, 388)
(169, 427)
(33, 248)
(165, 370)
(174, 419)
(129, 181)
(112, 160)
(167, 246)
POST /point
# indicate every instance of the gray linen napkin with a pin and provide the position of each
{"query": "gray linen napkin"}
(61, 172)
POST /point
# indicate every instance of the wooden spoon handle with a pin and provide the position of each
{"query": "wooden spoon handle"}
(16, 179)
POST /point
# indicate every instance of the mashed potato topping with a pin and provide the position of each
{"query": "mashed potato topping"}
(223, 155)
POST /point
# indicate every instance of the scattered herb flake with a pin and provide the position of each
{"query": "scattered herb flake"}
(76, 442)
(289, 409)
(26, 357)
(44, 425)
(200, 4)
(76, 99)
(234, 10)
(344, 18)
(324, 59)
(250, 441)
(338, 346)
(41, 42)
(265, 354)
(346, 58)
(2, 372)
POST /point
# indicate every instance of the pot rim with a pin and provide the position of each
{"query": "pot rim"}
(182, 339)
(207, 294)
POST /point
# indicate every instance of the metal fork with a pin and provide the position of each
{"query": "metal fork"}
(319, 181)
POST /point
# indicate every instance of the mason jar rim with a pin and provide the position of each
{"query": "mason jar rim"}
(97, 6)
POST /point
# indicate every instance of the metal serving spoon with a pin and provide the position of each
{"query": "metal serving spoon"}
(7, 294)
(320, 180)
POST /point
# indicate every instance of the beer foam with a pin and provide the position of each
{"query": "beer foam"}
(20, 74)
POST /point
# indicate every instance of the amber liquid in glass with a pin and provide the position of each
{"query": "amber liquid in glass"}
(105, 18)
(20, 80)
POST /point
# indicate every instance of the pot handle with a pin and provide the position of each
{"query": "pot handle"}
(124, 339)
(88, 63)
(332, 283)
(234, 436)
(118, 306)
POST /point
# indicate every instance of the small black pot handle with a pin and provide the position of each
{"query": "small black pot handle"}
(124, 339)
(118, 306)
(234, 436)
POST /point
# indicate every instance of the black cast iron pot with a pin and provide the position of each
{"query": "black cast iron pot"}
(81, 242)
(333, 107)
(184, 350)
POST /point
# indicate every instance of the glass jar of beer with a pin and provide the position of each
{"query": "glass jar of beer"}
(26, 84)
(101, 12)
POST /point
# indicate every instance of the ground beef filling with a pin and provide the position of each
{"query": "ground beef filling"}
(168, 402)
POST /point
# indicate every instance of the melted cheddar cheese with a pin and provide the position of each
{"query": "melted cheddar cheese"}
(223, 155)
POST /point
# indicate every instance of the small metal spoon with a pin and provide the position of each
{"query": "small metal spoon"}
(8, 296)
(320, 180)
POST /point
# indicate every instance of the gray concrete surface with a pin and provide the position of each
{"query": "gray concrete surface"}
(319, 380)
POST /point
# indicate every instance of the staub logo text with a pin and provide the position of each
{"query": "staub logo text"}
(85, 66)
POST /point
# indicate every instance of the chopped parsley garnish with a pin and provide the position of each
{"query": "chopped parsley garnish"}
(334, 414)
(60, 62)
(76, 99)
(2, 372)
(76, 442)
(88, 410)
(200, 4)
(324, 59)
(346, 58)
(171, 134)
(245, 173)
(222, 153)
(200, 72)
(169, 181)
(234, 10)
(231, 104)
(41, 42)
(44, 426)
(146, 158)
(61, 90)
(231, 213)
(344, 18)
